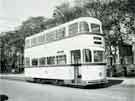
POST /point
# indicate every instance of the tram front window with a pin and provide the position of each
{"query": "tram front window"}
(84, 27)
(87, 55)
(95, 28)
(98, 56)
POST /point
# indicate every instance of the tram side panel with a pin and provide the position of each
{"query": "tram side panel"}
(89, 74)
(60, 73)
(93, 73)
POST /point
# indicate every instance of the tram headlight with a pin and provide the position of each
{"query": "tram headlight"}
(79, 76)
(100, 74)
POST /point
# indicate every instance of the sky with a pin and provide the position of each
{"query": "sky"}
(13, 12)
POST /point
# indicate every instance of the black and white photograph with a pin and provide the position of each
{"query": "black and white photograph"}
(67, 50)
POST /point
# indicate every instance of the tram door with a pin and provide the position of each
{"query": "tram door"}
(76, 61)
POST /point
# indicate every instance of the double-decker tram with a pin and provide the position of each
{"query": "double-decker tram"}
(71, 53)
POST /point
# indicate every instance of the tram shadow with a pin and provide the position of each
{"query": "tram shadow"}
(106, 85)
(114, 82)
(92, 86)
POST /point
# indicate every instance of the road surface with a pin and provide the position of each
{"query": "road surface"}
(26, 91)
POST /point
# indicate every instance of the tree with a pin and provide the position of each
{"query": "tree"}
(64, 13)
(32, 25)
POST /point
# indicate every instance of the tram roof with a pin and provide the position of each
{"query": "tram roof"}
(89, 19)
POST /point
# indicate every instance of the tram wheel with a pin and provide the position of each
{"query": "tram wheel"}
(37, 80)
(55, 82)
(60, 82)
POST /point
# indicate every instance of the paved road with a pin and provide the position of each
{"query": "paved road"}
(25, 91)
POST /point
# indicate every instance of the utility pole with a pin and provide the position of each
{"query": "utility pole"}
(2, 55)
(133, 49)
(0, 52)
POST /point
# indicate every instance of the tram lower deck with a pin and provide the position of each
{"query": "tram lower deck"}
(80, 75)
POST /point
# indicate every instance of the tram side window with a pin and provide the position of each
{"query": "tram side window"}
(87, 55)
(42, 61)
(27, 61)
(50, 60)
(98, 56)
(34, 62)
(34, 41)
(41, 39)
(60, 33)
(84, 27)
(95, 28)
(61, 59)
(73, 29)
(27, 43)
(51, 36)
